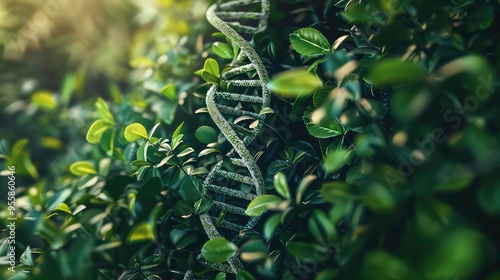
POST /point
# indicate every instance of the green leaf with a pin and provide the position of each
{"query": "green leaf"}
(177, 131)
(135, 132)
(44, 99)
(212, 67)
(169, 91)
(223, 50)
(260, 203)
(488, 197)
(218, 250)
(293, 82)
(323, 132)
(206, 134)
(141, 232)
(203, 205)
(277, 166)
(209, 77)
(303, 185)
(141, 62)
(244, 275)
(191, 188)
(271, 225)
(63, 207)
(321, 227)
(281, 185)
(309, 42)
(393, 72)
(306, 250)
(81, 168)
(96, 130)
(335, 160)
(103, 111)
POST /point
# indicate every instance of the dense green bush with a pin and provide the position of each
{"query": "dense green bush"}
(379, 151)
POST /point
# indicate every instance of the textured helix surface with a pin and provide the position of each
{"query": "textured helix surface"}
(235, 110)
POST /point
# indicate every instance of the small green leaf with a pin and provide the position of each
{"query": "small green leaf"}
(309, 42)
(266, 110)
(81, 168)
(244, 275)
(335, 160)
(277, 166)
(63, 207)
(293, 82)
(303, 185)
(212, 67)
(260, 203)
(96, 130)
(44, 99)
(321, 227)
(271, 225)
(223, 50)
(135, 132)
(281, 185)
(141, 232)
(218, 250)
(203, 205)
(209, 77)
(206, 134)
(177, 131)
(393, 72)
(169, 91)
(141, 62)
(103, 111)
(191, 188)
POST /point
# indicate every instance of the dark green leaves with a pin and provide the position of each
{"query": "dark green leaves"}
(309, 42)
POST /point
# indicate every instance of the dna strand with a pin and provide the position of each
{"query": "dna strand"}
(232, 110)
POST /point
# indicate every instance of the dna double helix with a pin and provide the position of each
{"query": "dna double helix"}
(235, 111)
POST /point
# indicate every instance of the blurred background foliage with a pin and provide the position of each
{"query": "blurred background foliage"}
(384, 165)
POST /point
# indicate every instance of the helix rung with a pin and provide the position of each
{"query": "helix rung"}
(246, 83)
(235, 176)
(239, 15)
(224, 267)
(229, 225)
(238, 70)
(243, 28)
(231, 192)
(242, 130)
(230, 208)
(239, 97)
(235, 111)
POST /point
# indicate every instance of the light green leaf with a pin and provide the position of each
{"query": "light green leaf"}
(260, 203)
(81, 168)
(218, 250)
(169, 91)
(96, 130)
(63, 207)
(44, 99)
(393, 72)
(103, 111)
(135, 132)
(212, 67)
(309, 42)
(335, 160)
(223, 50)
(281, 185)
(293, 82)
(141, 232)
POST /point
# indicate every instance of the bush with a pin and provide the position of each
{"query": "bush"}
(379, 153)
